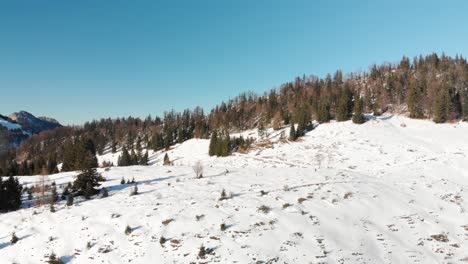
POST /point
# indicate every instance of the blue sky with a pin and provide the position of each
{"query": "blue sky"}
(80, 60)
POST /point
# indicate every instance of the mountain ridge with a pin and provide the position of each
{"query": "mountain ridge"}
(19, 126)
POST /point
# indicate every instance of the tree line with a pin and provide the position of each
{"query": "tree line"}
(432, 87)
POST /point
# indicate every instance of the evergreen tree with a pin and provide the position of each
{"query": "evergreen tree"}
(415, 106)
(464, 102)
(323, 114)
(10, 194)
(105, 193)
(124, 159)
(14, 238)
(144, 159)
(86, 181)
(133, 158)
(358, 117)
(53, 259)
(70, 199)
(128, 230)
(343, 111)
(442, 107)
(166, 161)
(292, 133)
(213, 143)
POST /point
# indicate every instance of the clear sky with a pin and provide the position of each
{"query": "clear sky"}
(86, 59)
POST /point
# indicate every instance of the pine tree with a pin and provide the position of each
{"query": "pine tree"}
(10, 194)
(202, 252)
(144, 159)
(343, 110)
(166, 161)
(86, 182)
(213, 143)
(70, 199)
(14, 238)
(53, 259)
(464, 106)
(441, 107)
(124, 159)
(323, 114)
(292, 133)
(105, 193)
(414, 101)
(133, 158)
(358, 117)
(128, 230)
(122, 181)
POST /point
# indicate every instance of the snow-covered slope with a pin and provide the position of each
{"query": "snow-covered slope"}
(8, 125)
(392, 190)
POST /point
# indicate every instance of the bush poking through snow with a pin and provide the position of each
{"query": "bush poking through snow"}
(128, 230)
(53, 259)
(224, 196)
(162, 240)
(348, 195)
(202, 252)
(199, 217)
(167, 221)
(122, 181)
(264, 209)
(223, 227)
(52, 208)
(286, 205)
(301, 200)
(14, 238)
(286, 188)
(262, 193)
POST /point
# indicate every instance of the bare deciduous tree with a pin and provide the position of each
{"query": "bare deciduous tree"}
(198, 169)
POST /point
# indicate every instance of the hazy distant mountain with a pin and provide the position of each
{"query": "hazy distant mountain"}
(19, 126)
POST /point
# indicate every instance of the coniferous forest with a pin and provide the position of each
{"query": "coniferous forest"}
(431, 87)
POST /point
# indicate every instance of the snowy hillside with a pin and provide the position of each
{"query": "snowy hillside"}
(8, 125)
(393, 190)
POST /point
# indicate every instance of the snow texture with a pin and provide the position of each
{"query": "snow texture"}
(393, 190)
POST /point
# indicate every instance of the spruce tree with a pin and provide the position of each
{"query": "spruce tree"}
(213, 143)
(415, 103)
(105, 193)
(464, 106)
(144, 159)
(441, 107)
(358, 117)
(124, 159)
(53, 259)
(14, 238)
(166, 161)
(323, 114)
(70, 199)
(86, 181)
(343, 110)
(292, 133)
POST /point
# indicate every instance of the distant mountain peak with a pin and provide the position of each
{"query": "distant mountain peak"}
(18, 126)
